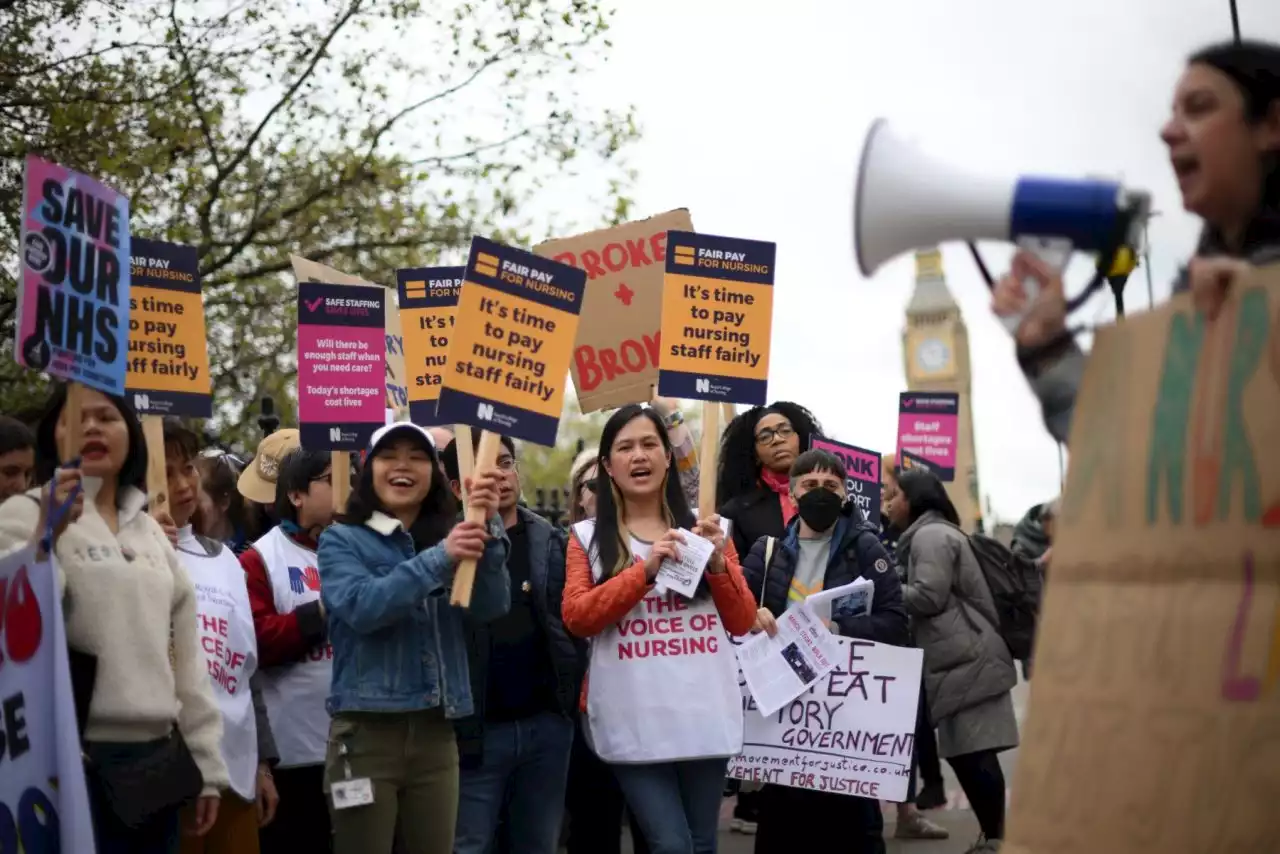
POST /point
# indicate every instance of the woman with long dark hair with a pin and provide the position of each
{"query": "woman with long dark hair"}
(224, 514)
(968, 670)
(662, 702)
(1223, 139)
(129, 603)
(400, 675)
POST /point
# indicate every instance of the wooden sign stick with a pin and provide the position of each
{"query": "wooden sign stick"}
(340, 477)
(157, 481)
(464, 578)
(466, 460)
(74, 429)
(708, 459)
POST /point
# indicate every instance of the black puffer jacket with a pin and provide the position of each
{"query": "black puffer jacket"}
(855, 552)
(568, 654)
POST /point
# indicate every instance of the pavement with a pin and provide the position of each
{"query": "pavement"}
(955, 816)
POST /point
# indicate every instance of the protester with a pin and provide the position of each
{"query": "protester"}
(753, 494)
(594, 805)
(225, 624)
(828, 544)
(1224, 147)
(925, 763)
(669, 728)
(17, 457)
(968, 671)
(1033, 535)
(753, 485)
(289, 623)
(223, 514)
(442, 437)
(400, 675)
(526, 674)
(129, 604)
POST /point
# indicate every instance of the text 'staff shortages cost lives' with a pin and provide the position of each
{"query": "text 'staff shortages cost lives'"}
(428, 303)
(928, 427)
(168, 365)
(516, 325)
(862, 474)
(73, 291)
(717, 310)
(342, 361)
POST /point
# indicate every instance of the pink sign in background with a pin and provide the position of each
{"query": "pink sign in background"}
(928, 431)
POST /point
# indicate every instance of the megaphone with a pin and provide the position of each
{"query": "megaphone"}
(906, 200)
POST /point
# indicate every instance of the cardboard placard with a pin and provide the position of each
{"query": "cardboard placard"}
(428, 301)
(516, 321)
(168, 367)
(717, 313)
(341, 365)
(73, 281)
(1155, 719)
(928, 431)
(615, 359)
(397, 387)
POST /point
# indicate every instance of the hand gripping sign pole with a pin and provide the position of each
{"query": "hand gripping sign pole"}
(464, 578)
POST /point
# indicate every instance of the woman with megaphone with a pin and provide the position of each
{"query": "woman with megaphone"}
(1224, 145)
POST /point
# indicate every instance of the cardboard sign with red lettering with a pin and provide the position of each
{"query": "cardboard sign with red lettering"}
(615, 356)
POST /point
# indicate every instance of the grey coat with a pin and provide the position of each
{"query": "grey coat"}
(968, 671)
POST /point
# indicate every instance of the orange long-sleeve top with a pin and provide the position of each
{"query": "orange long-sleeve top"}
(589, 608)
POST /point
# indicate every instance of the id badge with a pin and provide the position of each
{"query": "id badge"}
(352, 793)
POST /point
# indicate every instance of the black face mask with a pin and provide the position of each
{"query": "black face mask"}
(820, 508)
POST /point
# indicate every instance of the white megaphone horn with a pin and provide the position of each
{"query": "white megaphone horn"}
(907, 200)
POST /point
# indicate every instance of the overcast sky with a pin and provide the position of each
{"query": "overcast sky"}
(754, 115)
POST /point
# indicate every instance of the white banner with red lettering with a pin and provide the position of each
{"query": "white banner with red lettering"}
(44, 805)
(852, 733)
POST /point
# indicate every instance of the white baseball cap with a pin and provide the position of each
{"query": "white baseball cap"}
(398, 429)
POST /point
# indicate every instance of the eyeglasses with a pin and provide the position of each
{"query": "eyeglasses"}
(507, 464)
(592, 485)
(768, 434)
(327, 477)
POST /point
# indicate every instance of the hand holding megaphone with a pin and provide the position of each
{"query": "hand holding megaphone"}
(1031, 298)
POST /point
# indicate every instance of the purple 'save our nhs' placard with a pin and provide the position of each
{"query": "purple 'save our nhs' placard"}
(862, 474)
(342, 364)
(928, 430)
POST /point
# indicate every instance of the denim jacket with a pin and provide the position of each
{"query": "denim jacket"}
(398, 645)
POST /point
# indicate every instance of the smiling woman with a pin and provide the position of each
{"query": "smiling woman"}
(400, 673)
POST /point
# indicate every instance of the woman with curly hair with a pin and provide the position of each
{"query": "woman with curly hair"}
(753, 486)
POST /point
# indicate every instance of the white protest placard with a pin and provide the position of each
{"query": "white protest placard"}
(44, 805)
(852, 733)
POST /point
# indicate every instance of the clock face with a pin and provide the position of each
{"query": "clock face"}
(933, 354)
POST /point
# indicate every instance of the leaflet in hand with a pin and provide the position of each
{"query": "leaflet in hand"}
(847, 600)
(683, 575)
(780, 668)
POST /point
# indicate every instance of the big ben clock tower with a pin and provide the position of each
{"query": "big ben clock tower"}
(935, 350)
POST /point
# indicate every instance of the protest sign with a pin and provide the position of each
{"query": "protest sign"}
(341, 365)
(862, 474)
(1155, 719)
(397, 387)
(168, 366)
(73, 281)
(852, 733)
(428, 299)
(615, 358)
(516, 321)
(717, 311)
(44, 805)
(928, 427)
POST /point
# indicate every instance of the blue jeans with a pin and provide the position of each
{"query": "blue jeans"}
(676, 804)
(525, 768)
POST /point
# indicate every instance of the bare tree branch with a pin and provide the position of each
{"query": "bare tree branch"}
(192, 86)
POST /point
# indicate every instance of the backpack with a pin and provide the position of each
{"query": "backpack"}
(1016, 585)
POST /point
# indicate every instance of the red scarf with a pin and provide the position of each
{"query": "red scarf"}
(781, 484)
